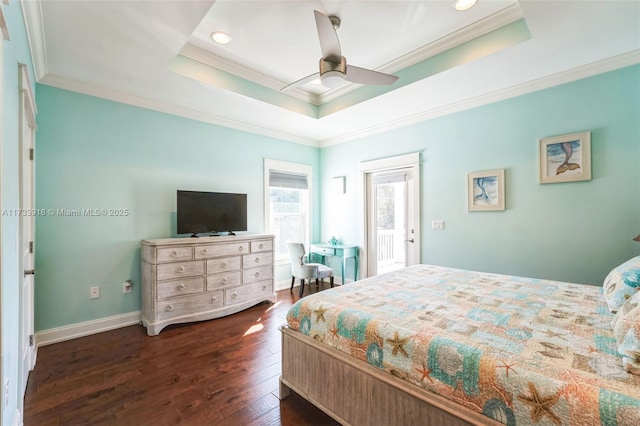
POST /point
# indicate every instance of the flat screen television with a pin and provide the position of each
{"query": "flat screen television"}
(210, 212)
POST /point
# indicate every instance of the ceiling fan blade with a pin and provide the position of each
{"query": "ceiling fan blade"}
(329, 43)
(301, 82)
(370, 77)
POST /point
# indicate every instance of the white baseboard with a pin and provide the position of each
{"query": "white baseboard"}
(283, 285)
(73, 331)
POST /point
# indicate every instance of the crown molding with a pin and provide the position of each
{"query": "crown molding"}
(197, 54)
(590, 70)
(32, 14)
(599, 67)
(138, 101)
(490, 23)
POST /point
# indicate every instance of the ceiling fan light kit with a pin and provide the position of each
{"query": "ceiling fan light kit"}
(333, 68)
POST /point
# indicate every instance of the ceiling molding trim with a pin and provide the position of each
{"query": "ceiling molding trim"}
(197, 54)
(32, 15)
(506, 16)
(221, 79)
(590, 70)
(498, 39)
(498, 20)
(125, 98)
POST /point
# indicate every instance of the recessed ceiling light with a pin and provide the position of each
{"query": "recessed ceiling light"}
(220, 37)
(462, 5)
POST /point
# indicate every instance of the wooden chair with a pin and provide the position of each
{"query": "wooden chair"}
(306, 271)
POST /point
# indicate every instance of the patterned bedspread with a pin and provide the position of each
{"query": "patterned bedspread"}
(519, 350)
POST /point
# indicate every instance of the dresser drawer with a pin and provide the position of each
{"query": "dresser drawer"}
(262, 245)
(223, 264)
(180, 287)
(237, 295)
(257, 274)
(222, 249)
(186, 305)
(173, 254)
(169, 271)
(223, 279)
(252, 260)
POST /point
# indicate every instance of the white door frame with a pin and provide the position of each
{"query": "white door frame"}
(26, 136)
(4, 35)
(408, 161)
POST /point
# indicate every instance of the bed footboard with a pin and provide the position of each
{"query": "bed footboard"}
(355, 393)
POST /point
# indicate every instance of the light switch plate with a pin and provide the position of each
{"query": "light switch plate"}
(437, 224)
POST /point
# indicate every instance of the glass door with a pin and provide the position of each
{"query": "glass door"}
(390, 234)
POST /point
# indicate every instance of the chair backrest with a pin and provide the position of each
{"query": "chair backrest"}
(296, 253)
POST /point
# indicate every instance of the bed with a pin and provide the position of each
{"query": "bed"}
(428, 345)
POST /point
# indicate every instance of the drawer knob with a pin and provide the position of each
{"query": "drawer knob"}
(204, 251)
(174, 254)
(181, 269)
(234, 295)
(181, 287)
(260, 246)
(214, 299)
(257, 260)
(264, 287)
(169, 308)
(224, 264)
(240, 248)
(257, 274)
(225, 280)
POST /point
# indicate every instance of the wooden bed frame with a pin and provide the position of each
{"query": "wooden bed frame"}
(356, 393)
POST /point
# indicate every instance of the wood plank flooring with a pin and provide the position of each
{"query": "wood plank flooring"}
(218, 372)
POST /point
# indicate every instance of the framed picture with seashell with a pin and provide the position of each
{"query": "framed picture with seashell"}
(565, 158)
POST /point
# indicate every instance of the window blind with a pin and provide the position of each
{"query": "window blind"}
(379, 179)
(287, 180)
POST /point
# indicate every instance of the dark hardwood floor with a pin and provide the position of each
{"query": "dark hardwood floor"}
(218, 372)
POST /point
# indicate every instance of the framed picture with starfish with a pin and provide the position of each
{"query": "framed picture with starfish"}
(485, 190)
(565, 158)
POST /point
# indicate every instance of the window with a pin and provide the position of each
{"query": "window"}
(287, 188)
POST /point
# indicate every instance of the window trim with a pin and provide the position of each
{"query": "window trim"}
(295, 168)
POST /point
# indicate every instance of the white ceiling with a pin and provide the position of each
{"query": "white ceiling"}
(158, 55)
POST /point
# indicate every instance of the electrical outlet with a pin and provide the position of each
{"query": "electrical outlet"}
(94, 292)
(126, 286)
(437, 224)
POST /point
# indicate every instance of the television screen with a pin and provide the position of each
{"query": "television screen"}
(208, 212)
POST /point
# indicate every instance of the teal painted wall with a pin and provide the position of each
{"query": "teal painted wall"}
(566, 231)
(98, 154)
(15, 52)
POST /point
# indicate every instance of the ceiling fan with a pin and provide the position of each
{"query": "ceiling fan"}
(334, 70)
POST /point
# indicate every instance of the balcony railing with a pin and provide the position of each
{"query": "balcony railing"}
(390, 247)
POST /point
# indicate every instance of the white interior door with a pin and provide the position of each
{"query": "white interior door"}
(392, 214)
(27, 227)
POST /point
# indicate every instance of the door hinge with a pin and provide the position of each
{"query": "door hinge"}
(31, 154)
(31, 340)
(30, 246)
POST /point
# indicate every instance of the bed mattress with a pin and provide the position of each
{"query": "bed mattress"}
(519, 350)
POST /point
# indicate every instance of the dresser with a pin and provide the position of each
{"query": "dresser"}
(195, 279)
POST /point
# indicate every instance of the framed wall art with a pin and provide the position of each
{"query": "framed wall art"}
(565, 158)
(485, 190)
